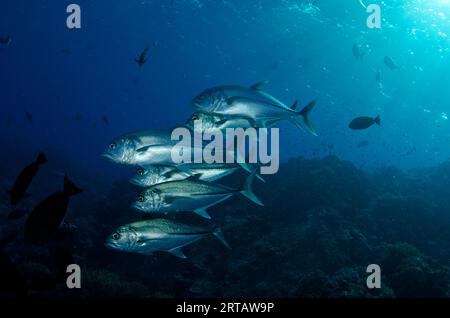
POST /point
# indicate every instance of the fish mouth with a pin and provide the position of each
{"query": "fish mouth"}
(108, 157)
(196, 105)
(136, 182)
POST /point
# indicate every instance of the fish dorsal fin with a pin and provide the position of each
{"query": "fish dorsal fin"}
(294, 106)
(258, 86)
(177, 252)
(195, 177)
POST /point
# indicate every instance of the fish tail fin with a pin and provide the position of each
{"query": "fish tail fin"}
(70, 188)
(217, 232)
(41, 158)
(377, 120)
(247, 191)
(306, 114)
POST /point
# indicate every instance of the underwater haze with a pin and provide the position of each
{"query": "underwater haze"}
(372, 187)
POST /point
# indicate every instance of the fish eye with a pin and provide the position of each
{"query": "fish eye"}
(116, 236)
(112, 146)
(140, 172)
(141, 198)
(195, 117)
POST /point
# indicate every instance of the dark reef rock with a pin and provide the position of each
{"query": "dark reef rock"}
(324, 221)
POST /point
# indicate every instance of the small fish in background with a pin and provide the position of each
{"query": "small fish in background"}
(389, 62)
(94, 124)
(18, 214)
(362, 123)
(105, 120)
(46, 218)
(142, 59)
(159, 235)
(8, 122)
(135, 81)
(78, 116)
(6, 40)
(90, 46)
(378, 79)
(65, 51)
(358, 51)
(29, 116)
(155, 44)
(23, 180)
(362, 144)
(274, 66)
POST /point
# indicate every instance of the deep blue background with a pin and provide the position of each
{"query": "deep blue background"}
(305, 52)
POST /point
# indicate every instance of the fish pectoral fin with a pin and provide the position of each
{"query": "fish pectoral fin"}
(184, 168)
(145, 148)
(258, 86)
(195, 177)
(177, 252)
(203, 212)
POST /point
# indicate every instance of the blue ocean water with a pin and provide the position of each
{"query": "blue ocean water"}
(83, 88)
(304, 50)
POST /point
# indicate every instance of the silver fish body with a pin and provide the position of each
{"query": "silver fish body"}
(158, 235)
(191, 194)
(125, 149)
(152, 175)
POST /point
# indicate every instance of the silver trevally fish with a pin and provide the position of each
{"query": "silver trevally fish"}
(152, 175)
(159, 235)
(191, 194)
(263, 109)
(128, 149)
(208, 123)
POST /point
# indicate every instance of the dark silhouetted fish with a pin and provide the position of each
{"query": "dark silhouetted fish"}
(29, 117)
(362, 144)
(18, 214)
(357, 51)
(5, 40)
(65, 51)
(47, 217)
(142, 59)
(389, 62)
(364, 122)
(78, 116)
(105, 120)
(90, 47)
(8, 122)
(24, 179)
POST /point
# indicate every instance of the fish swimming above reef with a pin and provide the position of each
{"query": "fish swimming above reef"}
(389, 62)
(29, 117)
(131, 148)
(46, 218)
(358, 52)
(159, 235)
(251, 103)
(361, 123)
(142, 58)
(208, 123)
(191, 194)
(152, 175)
(23, 180)
(6, 40)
